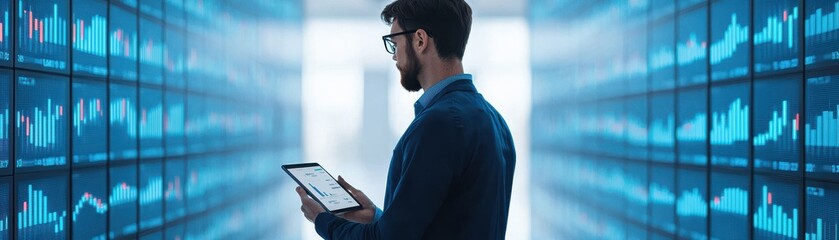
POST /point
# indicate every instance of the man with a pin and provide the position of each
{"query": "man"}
(451, 173)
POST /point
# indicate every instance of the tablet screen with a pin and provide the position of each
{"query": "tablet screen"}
(322, 186)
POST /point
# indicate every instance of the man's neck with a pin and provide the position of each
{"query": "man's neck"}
(435, 73)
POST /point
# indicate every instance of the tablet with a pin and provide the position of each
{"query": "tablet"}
(322, 187)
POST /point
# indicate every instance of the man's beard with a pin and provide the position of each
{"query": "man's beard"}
(410, 75)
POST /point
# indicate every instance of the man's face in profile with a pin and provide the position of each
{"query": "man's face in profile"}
(406, 59)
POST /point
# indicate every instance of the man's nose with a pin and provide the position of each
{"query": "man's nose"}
(394, 56)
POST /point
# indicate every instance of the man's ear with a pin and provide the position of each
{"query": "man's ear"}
(421, 40)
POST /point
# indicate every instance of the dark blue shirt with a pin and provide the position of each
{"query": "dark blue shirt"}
(450, 176)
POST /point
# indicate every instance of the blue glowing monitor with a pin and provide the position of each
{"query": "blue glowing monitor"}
(41, 207)
(43, 35)
(123, 43)
(90, 121)
(123, 121)
(729, 136)
(123, 201)
(730, 40)
(89, 38)
(821, 33)
(777, 124)
(41, 120)
(90, 204)
(776, 35)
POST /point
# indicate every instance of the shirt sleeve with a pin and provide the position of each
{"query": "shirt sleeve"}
(431, 158)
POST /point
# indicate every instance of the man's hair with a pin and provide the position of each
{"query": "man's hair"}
(447, 21)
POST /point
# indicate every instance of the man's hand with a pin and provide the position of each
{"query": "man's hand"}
(368, 211)
(310, 208)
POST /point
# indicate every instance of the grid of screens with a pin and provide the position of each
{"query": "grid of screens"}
(735, 137)
(108, 130)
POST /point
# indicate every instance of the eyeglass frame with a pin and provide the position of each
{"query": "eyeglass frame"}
(389, 39)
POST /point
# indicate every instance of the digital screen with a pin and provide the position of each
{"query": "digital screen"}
(729, 39)
(635, 189)
(692, 47)
(635, 59)
(662, 56)
(776, 207)
(6, 33)
(123, 44)
(90, 121)
(661, 8)
(90, 204)
(822, 120)
(173, 126)
(776, 35)
(173, 191)
(151, 194)
(151, 122)
(662, 128)
(777, 126)
(123, 122)
(201, 190)
(89, 33)
(174, 58)
(5, 120)
(691, 204)
(730, 125)
(821, 34)
(6, 208)
(322, 186)
(174, 12)
(41, 207)
(153, 8)
(692, 125)
(151, 52)
(729, 203)
(822, 215)
(636, 130)
(42, 35)
(175, 232)
(41, 120)
(684, 4)
(613, 140)
(123, 201)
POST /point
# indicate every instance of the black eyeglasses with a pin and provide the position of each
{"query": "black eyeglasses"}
(390, 45)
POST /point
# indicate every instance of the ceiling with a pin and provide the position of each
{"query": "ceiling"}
(372, 8)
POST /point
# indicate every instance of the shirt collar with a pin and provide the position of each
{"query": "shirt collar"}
(433, 91)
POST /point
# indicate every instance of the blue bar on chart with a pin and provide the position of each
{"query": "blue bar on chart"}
(5, 119)
(692, 47)
(636, 128)
(692, 126)
(821, 33)
(821, 126)
(662, 133)
(90, 205)
(41, 120)
(174, 58)
(123, 44)
(90, 122)
(151, 122)
(151, 52)
(123, 201)
(730, 39)
(123, 121)
(730, 125)
(6, 208)
(89, 33)
(822, 215)
(777, 123)
(173, 123)
(173, 189)
(691, 203)
(42, 28)
(776, 35)
(41, 207)
(152, 8)
(729, 203)
(6, 32)
(151, 194)
(776, 208)
(662, 56)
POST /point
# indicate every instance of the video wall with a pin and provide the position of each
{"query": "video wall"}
(689, 119)
(149, 119)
